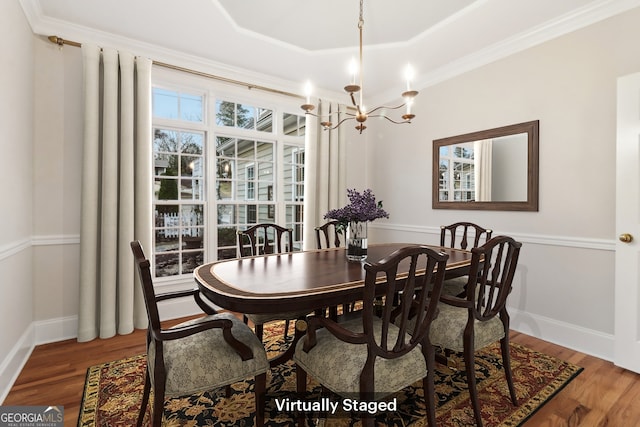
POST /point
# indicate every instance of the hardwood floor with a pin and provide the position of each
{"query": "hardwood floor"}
(602, 395)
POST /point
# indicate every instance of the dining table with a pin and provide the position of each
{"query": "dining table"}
(296, 281)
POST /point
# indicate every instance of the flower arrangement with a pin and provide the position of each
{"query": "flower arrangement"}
(362, 207)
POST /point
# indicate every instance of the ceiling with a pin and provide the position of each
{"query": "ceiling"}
(285, 41)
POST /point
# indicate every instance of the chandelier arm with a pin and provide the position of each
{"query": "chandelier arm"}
(339, 123)
(328, 116)
(386, 108)
(391, 120)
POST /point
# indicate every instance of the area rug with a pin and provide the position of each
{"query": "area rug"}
(113, 392)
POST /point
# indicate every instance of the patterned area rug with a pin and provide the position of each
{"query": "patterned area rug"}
(113, 391)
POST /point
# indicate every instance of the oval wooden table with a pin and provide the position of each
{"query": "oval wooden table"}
(299, 280)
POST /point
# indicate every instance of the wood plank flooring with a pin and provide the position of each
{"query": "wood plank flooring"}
(603, 395)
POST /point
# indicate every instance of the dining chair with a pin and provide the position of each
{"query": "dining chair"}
(198, 355)
(264, 239)
(461, 235)
(480, 318)
(329, 235)
(370, 356)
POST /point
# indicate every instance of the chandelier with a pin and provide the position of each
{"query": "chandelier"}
(361, 114)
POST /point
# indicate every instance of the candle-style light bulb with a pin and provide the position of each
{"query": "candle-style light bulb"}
(409, 75)
(409, 104)
(353, 70)
(308, 89)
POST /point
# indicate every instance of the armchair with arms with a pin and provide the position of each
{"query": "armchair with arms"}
(479, 318)
(202, 354)
(373, 357)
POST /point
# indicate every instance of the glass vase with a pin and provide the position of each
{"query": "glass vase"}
(357, 241)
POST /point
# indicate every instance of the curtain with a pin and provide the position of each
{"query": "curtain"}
(116, 191)
(482, 152)
(325, 170)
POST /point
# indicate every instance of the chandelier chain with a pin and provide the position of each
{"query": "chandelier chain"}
(354, 88)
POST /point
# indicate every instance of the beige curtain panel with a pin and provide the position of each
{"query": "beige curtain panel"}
(116, 190)
(325, 170)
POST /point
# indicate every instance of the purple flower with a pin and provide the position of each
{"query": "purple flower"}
(362, 207)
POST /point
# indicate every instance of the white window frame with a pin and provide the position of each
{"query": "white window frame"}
(214, 90)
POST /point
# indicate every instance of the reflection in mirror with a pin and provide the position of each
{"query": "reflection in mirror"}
(495, 169)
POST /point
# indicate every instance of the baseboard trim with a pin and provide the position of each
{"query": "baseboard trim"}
(578, 338)
(15, 361)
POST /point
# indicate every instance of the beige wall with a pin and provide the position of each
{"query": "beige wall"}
(16, 193)
(57, 166)
(564, 292)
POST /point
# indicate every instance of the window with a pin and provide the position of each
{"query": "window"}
(179, 200)
(457, 167)
(220, 172)
(245, 196)
(294, 191)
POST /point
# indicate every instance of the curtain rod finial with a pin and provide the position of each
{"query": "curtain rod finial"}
(57, 40)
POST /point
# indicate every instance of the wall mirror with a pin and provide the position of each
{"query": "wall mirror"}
(494, 169)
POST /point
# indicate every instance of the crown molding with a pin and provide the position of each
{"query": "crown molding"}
(45, 26)
(587, 15)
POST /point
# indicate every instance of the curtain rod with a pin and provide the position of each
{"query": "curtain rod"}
(61, 42)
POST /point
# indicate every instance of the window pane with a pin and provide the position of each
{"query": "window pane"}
(225, 190)
(265, 120)
(192, 189)
(191, 260)
(227, 236)
(193, 238)
(166, 188)
(226, 214)
(226, 147)
(224, 168)
(167, 264)
(265, 151)
(165, 103)
(246, 149)
(190, 166)
(225, 113)
(293, 124)
(169, 104)
(191, 108)
(192, 143)
(246, 117)
(165, 141)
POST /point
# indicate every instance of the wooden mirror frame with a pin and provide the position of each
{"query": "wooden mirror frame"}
(531, 204)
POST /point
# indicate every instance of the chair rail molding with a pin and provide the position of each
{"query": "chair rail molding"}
(13, 248)
(539, 239)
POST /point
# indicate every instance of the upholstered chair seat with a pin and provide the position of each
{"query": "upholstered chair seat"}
(447, 329)
(329, 353)
(199, 363)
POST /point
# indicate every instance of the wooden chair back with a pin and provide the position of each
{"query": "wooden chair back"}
(144, 273)
(263, 239)
(493, 267)
(327, 235)
(405, 303)
(466, 231)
